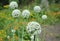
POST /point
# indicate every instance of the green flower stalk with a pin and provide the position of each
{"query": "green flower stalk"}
(44, 17)
(16, 14)
(13, 32)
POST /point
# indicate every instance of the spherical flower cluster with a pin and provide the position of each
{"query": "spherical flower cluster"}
(13, 31)
(26, 14)
(34, 27)
(44, 17)
(8, 37)
(13, 5)
(37, 9)
(16, 13)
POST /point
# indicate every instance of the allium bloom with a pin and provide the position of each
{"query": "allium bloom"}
(13, 5)
(13, 31)
(44, 17)
(37, 9)
(26, 14)
(16, 13)
(34, 27)
(8, 37)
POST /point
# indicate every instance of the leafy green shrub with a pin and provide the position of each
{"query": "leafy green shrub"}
(54, 8)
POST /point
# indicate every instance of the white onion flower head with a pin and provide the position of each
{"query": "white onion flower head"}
(13, 31)
(26, 14)
(44, 17)
(13, 5)
(34, 27)
(16, 13)
(8, 37)
(37, 9)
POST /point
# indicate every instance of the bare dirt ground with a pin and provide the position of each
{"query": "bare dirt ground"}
(51, 33)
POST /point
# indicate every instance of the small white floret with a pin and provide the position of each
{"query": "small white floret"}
(44, 17)
(37, 8)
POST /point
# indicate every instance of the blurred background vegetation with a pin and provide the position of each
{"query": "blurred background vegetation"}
(26, 2)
